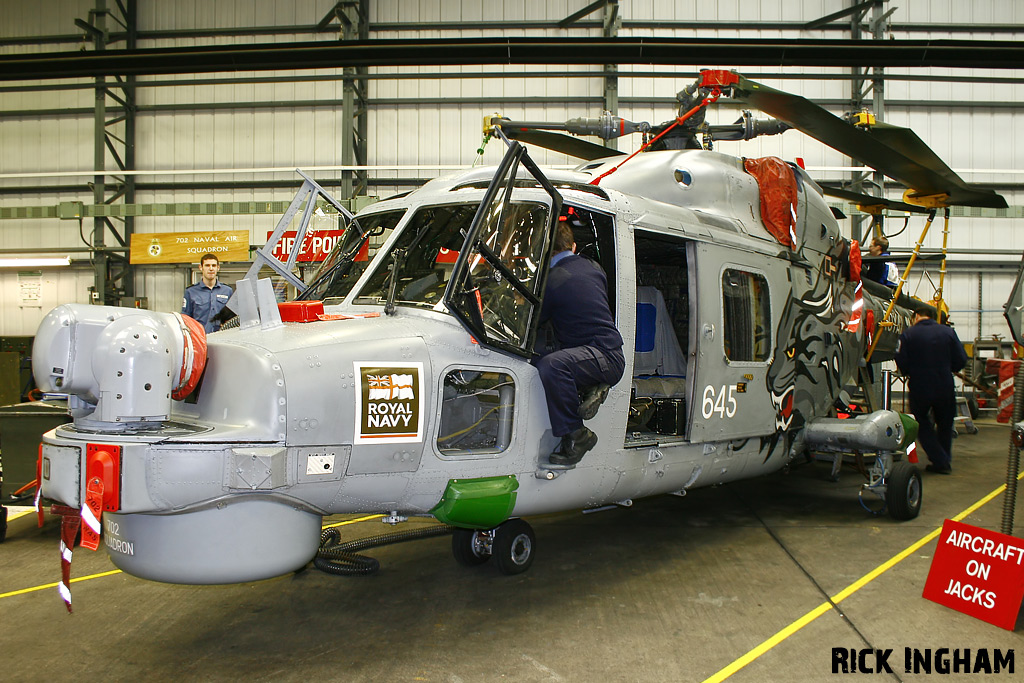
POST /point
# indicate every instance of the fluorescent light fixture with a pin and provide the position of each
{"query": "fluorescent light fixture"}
(35, 262)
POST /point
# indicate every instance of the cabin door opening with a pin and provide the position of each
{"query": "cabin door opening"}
(662, 357)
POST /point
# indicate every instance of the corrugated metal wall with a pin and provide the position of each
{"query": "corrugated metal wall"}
(423, 122)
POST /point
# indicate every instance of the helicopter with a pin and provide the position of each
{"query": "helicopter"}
(399, 381)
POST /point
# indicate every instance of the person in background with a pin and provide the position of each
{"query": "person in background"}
(884, 272)
(589, 357)
(204, 301)
(928, 354)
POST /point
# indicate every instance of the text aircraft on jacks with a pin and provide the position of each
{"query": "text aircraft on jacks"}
(401, 383)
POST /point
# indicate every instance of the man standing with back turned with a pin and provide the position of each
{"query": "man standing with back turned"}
(928, 354)
(590, 353)
(205, 300)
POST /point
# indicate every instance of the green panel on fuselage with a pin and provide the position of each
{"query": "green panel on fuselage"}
(477, 503)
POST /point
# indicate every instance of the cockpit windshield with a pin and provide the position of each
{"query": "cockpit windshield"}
(423, 257)
(484, 261)
(350, 257)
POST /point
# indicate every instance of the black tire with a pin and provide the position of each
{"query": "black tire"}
(466, 548)
(903, 491)
(3, 523)
(514, 543)
(972, 407)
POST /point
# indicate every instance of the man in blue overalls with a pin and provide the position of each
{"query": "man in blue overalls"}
(590, 346)
(929, 353)
(205, 300)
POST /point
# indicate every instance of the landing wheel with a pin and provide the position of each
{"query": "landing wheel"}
(903, 491)
(972, 407)
(471, 547)
(513, 547)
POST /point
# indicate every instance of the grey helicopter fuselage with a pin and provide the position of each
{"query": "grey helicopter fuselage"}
(739, 341)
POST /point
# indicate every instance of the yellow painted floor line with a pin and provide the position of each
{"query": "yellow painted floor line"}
(54, 585)
(351, 521)
(737, 664)
(14, 514)
(33, 589)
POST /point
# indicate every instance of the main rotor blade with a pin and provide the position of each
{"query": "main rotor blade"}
(566, 144)
(867, 200)
(896, 152)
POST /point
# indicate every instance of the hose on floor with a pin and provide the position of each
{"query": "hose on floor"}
(342, 559)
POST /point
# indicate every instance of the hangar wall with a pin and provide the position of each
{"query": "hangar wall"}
(427, 120)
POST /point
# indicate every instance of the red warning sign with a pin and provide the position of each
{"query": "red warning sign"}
(316, 245)
(978, 572)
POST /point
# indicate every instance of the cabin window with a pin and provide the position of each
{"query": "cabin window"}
(476, 412)
(745, 309)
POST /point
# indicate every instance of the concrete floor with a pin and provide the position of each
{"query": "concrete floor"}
(672, 589)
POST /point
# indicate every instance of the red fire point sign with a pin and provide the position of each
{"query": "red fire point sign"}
(315, 247)
(978, 572)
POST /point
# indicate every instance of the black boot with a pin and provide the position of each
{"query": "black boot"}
(592, 399)
(573, 447)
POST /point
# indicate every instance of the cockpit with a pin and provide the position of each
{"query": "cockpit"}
(480, 260)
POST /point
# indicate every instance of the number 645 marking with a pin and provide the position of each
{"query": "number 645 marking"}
(718, 400)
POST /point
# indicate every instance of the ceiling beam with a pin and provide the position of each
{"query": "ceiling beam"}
(988, 54)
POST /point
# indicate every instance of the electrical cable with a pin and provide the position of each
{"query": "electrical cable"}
(709, 99)
(475, 424)
(906, 222)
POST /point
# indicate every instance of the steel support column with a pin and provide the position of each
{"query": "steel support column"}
(611, 24)
(354, 18)
(858, 97)
(113, 274)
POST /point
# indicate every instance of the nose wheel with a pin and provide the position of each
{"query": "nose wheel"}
(511, 544)
(897, 487)
(903, 491)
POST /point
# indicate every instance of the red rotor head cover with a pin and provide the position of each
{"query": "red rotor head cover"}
(855, 261)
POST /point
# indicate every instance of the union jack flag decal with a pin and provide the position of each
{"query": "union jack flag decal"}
(390, 387)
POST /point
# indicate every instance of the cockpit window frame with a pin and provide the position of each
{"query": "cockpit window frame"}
(462, 293)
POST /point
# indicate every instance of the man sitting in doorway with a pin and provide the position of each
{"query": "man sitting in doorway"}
(590, 347)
